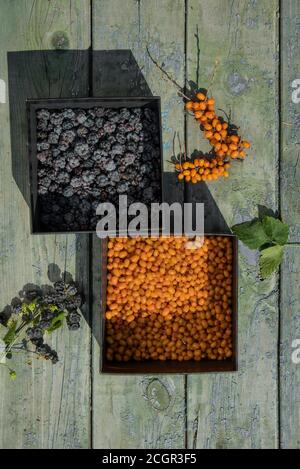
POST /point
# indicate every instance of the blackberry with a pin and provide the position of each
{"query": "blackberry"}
(92, 138)
(69, 114)
(88, 176)
(56, 152)
(82, 131)
(67, 125)
(44, 324)
(68, 192)
(109, 127)
(132, 137)
(99, 111)
(16, 307)
(73, 316)
(88, 123)
(81, 117)
(53, 187)
(53, 138)
(71, 289)
(43, 156)
(120, 138)
(47, 352)
(63, 177)
(99, 154)
(34, 333)
(76, 182)
(59, 163)
(81, 149)
(128, 159)
(99, 122)
(122, 187)
(124, 114)
(45, 181)
(114, 176)
(111, 166)
(42, 124)
(57, 129)
(43, 114)
(69, 218)
(102, 180)
(73, 162)
(67, 137)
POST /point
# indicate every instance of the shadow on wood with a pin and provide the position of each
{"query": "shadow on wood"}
(214, 221)
(62, 74)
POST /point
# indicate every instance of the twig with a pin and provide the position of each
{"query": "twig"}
(198, 55)
(217, 63)
(173, 145)
(227, 116)
(167, 75)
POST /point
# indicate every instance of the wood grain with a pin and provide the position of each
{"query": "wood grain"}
(289, 344)
(240, 410)
(47, 407)
(130, 411)
(290, 116)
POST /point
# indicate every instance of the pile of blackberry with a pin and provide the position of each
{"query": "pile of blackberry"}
(88, 156)
(66, 297)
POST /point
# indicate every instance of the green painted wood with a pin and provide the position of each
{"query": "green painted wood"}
(290, 115)
(290, 349)
(138, 411)
(239, 410)
(47, 407)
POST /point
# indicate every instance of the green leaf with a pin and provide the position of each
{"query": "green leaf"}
(270, 259)
(276, 230)
(10, 335)
(251, 233)
(12, 374)
(56, 322)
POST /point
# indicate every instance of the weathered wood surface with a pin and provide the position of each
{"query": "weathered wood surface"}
(47, 407)
(290, 350)
(240, 410)
(143, 411)
(290, 140)
(53, 407)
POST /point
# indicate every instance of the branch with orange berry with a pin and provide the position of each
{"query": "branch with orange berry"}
(226, 143)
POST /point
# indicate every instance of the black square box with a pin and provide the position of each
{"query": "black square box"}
(33, 105)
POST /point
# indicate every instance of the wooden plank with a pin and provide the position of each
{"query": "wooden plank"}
(138, 411)
(47, 407)
(290, 115)
(240, 410)
(289, 349)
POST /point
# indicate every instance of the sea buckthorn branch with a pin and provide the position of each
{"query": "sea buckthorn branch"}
(222, 135)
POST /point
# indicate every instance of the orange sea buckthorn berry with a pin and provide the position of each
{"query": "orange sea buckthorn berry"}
(198, 114)
(201, 96)
(235, 138)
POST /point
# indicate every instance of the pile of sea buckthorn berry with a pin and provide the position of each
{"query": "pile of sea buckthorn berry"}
(202, 169)
(167, 301)
(226, 144)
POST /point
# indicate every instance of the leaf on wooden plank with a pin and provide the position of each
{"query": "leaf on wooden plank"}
(276, 230)
(11, 334)
(270, 259)
(56, 322)
(251, 233)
